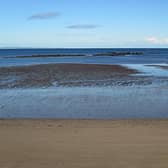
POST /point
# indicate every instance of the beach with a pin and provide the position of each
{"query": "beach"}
(83, 112)
(84, 143)
(84, 84)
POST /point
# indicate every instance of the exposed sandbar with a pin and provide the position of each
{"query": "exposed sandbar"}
(61, 74)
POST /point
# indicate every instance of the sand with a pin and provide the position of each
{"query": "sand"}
(84, 143)
(70, 75)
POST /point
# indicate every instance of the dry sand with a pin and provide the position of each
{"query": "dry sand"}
(83, 144)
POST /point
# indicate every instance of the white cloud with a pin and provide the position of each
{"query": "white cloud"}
(156, 40)
(152, 40)
(42, 16)
(83, 26)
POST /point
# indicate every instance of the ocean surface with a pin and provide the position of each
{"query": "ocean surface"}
(85, 102)
(150, 56)
(118, 102)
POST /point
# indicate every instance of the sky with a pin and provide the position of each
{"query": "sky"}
(83, 23)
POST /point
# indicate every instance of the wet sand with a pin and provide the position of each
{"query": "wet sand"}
(60, 74)
(69, 75)
(117, 102)
(84, 143)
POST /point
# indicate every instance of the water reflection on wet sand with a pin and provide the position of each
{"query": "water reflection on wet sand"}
(86, 102)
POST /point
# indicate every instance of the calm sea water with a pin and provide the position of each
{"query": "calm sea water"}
(87, 102)
(150, 56)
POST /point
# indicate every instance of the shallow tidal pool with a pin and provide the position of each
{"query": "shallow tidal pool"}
(85, 102)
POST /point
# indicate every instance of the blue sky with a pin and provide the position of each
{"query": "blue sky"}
(83, 23)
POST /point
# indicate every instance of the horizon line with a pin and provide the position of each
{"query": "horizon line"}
(83, 47)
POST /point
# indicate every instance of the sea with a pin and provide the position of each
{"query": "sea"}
(150, 56)
(119, 102)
